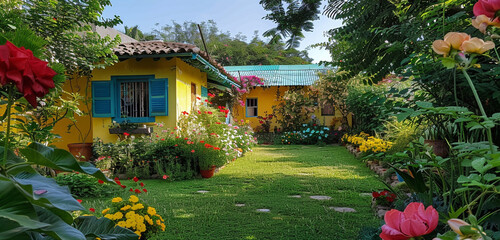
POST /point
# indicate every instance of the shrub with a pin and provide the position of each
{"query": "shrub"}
(83, 185)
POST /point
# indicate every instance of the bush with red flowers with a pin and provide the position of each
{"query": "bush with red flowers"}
(384, 198)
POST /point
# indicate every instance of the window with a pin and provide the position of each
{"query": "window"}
(131, 98)
(328, 110)
(252, 107)
(134, 99)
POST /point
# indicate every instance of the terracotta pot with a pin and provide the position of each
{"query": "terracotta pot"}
(208, 173)
(81, 151)
(439, 147)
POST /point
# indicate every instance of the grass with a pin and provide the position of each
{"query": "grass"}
(267, 178)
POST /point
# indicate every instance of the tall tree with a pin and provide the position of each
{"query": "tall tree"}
(232, 50)
(137, 34)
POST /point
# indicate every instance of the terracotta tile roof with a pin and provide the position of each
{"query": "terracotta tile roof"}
(145, 48)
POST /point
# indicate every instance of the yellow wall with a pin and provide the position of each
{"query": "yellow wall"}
(186, 75)
(267, 98)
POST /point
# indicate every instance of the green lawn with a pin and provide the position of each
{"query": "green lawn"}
(266, 179)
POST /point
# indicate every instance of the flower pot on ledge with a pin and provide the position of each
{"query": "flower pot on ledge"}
(81, 151)
(147, 130)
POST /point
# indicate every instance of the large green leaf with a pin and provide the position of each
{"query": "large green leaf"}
(17, 213)
(57, 228)
(14, 163)
(102, 228)
(60, 159)
(47, 189)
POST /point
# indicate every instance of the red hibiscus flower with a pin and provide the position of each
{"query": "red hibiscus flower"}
(100, 181)
(126, 134)
(32, 77)
(131, 190)
(165, 177)
(142, 184)
(144, 190)
(92, 210)
(137, 191)
(79, 200)
(135, 179)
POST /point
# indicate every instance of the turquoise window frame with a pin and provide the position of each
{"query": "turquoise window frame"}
(246, 107)
(117, 80)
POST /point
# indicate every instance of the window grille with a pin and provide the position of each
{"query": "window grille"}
(328, 110)
(134, 99)
(252, 107)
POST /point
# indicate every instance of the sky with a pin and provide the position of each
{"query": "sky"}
(235, 16)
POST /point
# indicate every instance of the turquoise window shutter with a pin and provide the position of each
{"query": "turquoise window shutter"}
(158, 97)
(102, 99)
(204, 92)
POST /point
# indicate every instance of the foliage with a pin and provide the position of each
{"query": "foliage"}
(265, 122)
(231, 51)
(332, 89)
(296, 108)
(384, 198)
(311, 133)
(135, 215)
(297, 17)
(400, 133)
(137, 34)
(82, 185)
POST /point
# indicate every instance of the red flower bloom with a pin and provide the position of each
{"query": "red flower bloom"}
(198, 98)
(131, 190)
(186, 138)
(185, 113)
(176, 145)
(165, 176)
(202, 141)
(216, 148)
(123, 186)
(100, 181)
(211, 95)
(206, 100)
(135, 179)
(118, 182)
(415, 221)
(163, 139)
(79, 200)
(126, 134)
(192, 151)
(209, 112)
(208, 145)
(137, 191)
(142, 184)
(486, 7)
(116, 179)
(217, 123)
(32, 77)
(144, 190)
(92, 209)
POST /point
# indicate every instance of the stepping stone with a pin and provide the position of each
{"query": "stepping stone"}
(321, 197)
(343, 209)
(365, 194)
(239, 204)
(295, 196)
(263, 210)
(202, 191)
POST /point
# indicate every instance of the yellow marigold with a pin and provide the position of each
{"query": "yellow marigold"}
(105, 211)
(148, 219)
(130, 215)
(139, 218)
(118, 215)
(125, 208)
(151, 211)
(163, 227)
(133, 199)
(141, 227)
(122, 224)
(130, 223)
(137, 206)
(109, 216)
(138, 233)
(158, 222)
(117, 199)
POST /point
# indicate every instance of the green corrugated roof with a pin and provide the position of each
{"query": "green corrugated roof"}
(280, 75)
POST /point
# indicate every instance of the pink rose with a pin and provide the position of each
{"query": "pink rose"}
(413, 222)
(487, 7)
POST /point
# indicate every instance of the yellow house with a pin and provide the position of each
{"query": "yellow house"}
(153, 82)
(277, 80)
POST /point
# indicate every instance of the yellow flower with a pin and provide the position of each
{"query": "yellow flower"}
(148, 219)
(118, 215)
(482, 22)
(163, 227)
(476, 45)
(105, 211)
(455, 39)
(130, 215)
(125, 208)
(117, 199)
(151, 211)
(138, 233)
(133, 199)
(137, 206)
(109, 216)
(122, 224)
(158, 222)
